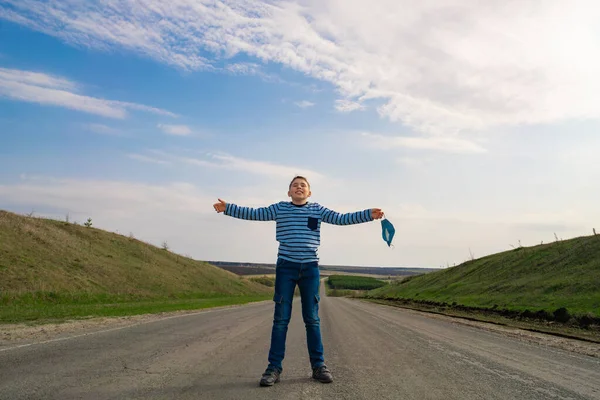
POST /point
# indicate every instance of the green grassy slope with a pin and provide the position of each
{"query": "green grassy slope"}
(544, 277)
(48, 260)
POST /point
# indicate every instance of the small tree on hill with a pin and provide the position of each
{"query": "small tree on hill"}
(88, 223)
(562, 315)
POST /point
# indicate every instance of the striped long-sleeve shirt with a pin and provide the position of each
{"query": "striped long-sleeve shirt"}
(298, 228)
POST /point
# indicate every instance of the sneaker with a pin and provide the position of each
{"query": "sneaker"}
(322, 374)
(270, 377)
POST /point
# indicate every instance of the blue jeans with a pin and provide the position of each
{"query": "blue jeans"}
(306, 276)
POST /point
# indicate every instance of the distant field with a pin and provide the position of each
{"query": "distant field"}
(248, 270)
(326, 270)
(384, 278)
(375, 271)
(353, 282)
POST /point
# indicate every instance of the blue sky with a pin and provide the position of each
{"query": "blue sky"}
(473, 127)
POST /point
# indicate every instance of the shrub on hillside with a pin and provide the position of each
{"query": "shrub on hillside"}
(544, 315)
(562, 315)
(587, 320)
(527, 314)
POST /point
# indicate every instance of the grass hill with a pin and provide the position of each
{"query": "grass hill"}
(552, 280)
(45, 262)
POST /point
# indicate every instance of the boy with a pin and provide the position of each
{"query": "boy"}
(298, 232)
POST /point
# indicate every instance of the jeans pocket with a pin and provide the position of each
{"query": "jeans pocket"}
(311, 313)
(316, 306)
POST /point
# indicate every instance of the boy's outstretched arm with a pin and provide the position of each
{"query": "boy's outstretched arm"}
(358, 217)
(253, 214)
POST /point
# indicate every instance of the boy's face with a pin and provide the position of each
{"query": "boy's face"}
(299, 191)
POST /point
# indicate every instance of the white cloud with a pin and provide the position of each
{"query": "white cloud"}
(304, 104)
(247, 68)
(229, 162)
(437, 67)
(243, 69)
(262, 167)
(36, 79)
(144, 158)
(118, 198)
(449, 144)
(412, 162)
(141, 107)
(35, 87)
(102, 129)
(348, 106)
(178, 130)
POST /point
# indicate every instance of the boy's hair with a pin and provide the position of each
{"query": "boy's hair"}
(299, 177)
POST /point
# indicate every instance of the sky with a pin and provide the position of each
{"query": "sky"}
(473, 125)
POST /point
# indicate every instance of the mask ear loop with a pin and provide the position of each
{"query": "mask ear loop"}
(391, 246)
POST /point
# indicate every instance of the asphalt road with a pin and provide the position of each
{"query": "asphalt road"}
(374, 351)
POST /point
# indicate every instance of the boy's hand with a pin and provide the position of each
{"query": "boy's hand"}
(220, 206)
(376, 213)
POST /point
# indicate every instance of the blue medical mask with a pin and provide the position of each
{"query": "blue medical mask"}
(387, 231)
